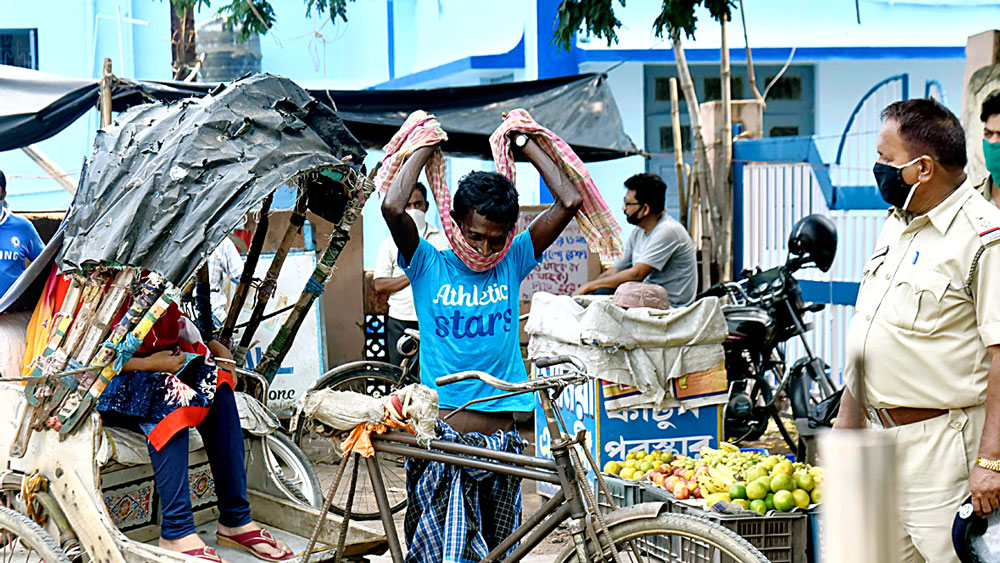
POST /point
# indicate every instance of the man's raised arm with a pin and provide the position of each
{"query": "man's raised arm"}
(547, 227)
(401, 226)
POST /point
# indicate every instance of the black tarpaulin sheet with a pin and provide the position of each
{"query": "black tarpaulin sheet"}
(581, 109)
(166, 182)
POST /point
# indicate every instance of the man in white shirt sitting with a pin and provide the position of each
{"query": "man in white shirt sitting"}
(389, 277)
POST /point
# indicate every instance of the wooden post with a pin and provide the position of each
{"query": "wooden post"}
(106, 78)
(723, 159)
(675, 118)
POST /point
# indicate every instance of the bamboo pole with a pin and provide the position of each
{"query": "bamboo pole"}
(246, 278)
(35, 391)
(750, 70)
(105, 97)
(724, 195)
(702, 170)
(149, 305)
(675, 118)
(50, 167)
(267, 287)
(282, 343)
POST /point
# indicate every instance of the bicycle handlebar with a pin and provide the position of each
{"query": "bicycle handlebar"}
(580, 372)
(557, 360)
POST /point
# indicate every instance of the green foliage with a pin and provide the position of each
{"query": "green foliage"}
(597, 17)
(257, 16)
(678, 15)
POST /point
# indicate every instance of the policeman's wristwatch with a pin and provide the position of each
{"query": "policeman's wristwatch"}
(991, 464)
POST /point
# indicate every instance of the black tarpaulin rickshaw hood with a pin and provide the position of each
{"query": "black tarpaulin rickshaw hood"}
(167, 182)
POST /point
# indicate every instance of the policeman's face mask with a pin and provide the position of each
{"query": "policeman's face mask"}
(891, 186)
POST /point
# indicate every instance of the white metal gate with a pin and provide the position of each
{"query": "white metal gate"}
(775, 197)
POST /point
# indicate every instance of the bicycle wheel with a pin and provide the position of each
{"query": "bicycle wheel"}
(375, 379)
(671, 538)
(292, 470)
(23, 540)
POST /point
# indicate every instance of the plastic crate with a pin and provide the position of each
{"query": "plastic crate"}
(782, 537)
(756, 450)
(623, 493)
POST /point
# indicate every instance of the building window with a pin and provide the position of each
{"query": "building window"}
(787, 88)
(661, 89)
(19, 47)
(783, 131)
(667, 138)
(713, 88)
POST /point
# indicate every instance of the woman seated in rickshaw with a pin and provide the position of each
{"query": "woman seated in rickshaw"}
(171, 384)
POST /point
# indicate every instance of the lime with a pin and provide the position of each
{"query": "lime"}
(737, 491)
(631, 463)
(639, 474)
(627, 472)
(766, 481)
(630, 456)
(782, 482)
(666, 457)
(758, 506)
(756, 491)
(646, 466)
(817, 495)
(755, 472)
(769, 501)
(802, 499)
(742, 503)
(612, 467)
(784, 500)
(805, 481)
(640, 454)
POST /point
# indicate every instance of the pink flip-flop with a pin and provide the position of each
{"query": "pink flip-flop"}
(247, 540)
(205, 553)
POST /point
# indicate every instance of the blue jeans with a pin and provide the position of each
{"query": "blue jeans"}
(224, 445)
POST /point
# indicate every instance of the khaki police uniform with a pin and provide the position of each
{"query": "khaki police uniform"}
(923, 320)
(984, 188)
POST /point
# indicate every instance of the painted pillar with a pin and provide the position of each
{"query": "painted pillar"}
(552, 61)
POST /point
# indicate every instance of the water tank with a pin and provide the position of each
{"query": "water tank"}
(225, 56)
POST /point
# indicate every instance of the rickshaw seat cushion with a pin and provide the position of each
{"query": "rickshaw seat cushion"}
(128, 447)
(13, 341)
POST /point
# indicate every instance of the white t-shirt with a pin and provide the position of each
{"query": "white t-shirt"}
(401, 302)
(225, 266)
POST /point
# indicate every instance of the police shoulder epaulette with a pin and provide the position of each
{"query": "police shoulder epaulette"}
(985, 219)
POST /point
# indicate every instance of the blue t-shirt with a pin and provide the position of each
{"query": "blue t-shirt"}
(469, 321)
(18, 241)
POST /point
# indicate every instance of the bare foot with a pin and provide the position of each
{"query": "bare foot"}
(187, 543)
(261, 548)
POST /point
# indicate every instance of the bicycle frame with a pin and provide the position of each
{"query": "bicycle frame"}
(566, 504)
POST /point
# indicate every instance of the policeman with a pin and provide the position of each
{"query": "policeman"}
(990, 116)
(924, 343)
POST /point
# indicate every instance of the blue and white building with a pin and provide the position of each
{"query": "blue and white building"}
(845, 64)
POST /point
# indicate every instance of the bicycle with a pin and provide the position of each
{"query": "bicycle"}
(644, 532)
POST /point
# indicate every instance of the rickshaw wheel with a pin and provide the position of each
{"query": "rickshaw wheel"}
(23, 540)
(375, 379)
(293, 470)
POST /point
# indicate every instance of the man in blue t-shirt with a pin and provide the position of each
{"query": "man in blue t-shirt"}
(19, 242)
(469, 319)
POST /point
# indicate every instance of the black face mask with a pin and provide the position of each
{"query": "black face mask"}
(891, 186)
(634, 218)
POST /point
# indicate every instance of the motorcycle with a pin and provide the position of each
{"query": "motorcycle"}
(766, 311)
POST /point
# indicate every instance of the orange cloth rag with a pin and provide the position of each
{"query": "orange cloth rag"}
(360, 439)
